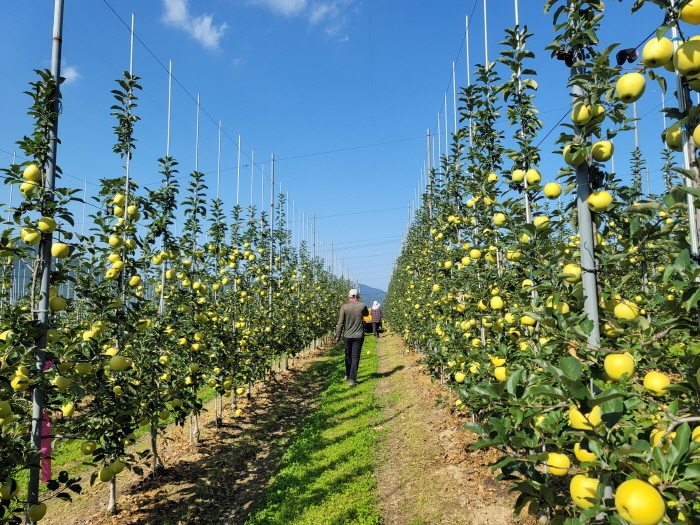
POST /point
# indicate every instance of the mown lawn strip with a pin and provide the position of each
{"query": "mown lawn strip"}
(327, 472)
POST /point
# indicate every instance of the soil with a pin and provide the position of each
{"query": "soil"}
(428, 472)
(222, 479)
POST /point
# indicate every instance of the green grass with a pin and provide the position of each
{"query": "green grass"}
(327, 472)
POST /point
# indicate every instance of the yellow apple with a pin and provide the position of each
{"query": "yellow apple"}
(574, 158)
(655, 382)
(532, 176)
(60, 250)
(687, 58)
(32, 173)
(46, 224)
(599, 201)
(603, 150)
(639, 503)
(516, 176)
(552, 190)
(630, 87)
(584, 490)
(618, 364)
(657, 52)
(581, 114)
(558, 464)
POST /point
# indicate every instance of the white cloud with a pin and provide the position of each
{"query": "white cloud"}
(285, 7)
(201, 28)
(328, 14)
(70, 73)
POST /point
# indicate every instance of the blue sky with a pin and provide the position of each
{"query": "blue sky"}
(340, 91)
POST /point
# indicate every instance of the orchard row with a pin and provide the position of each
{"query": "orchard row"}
(138, 325)
(492, 289)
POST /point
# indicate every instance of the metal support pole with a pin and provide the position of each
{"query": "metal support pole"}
(238, 178)
(272, 229)
(585, 224)
(684, 104)
(486, 37)
(45, 254)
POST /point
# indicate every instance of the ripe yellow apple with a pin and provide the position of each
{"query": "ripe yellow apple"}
(526, 320)
(88, 447)
(588, 421)
(68, 409)
(498, 361)
(690, 13)
(639, 502)
(61, 383)
(532, 176)
(30, 236)
(436, 288)
(135, 280)
(687, 58)
(497, 302)
(60, 250)
(29, 189)
(499, 219)
(57, 304)
(552, 190)
(584, 490)
(83, 368)
(118, 199)
(630, 87)
(558, 464)
(117, 363)
(574, 158)
(32, 173)
(541, 222)
(460, 377)
(618, 364)
(626, 310)
(599, 201)
(582, 454)
(575, 272)
(603, 150)
(597, 113)
(115, 241)
(657, 52)
(501, 373)
(46, 224)
(491, 178)
(5, 409)
(581, 115)
(655, 382)
(674, 137)
(515, 176)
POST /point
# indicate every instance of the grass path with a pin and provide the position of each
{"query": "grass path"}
(327, 474)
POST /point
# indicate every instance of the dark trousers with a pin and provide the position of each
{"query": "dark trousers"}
(353, 348)
(375, 327)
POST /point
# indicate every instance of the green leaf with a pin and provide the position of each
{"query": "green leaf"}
(661, 31)
(571, 367)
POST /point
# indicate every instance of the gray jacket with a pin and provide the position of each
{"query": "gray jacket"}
(350, 319)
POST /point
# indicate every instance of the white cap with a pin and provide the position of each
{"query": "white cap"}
(353, 293)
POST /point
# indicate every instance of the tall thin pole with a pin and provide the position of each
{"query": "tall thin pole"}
(272, 228)
(517, 14)
(196, 138)
(14, 160)
(636, 125)
(218, 164)
(466, 40)
(45, 253)
(238, 179)
(683, 105)
(439, 137)
(585, 225)
(252, 174)
(486, 37)
(447, 128)
(170, 99)
(454, 95)
(82, 228)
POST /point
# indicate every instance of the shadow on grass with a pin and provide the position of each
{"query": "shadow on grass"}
(226, 484)
(379, 375)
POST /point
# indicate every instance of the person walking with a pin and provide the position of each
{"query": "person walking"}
(350, 322)
(376, 313)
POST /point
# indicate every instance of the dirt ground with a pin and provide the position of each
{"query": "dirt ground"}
(428, 473)
(221, 480)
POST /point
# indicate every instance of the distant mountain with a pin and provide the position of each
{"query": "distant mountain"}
(369, 294)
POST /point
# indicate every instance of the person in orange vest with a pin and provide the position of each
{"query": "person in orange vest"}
(352, 327)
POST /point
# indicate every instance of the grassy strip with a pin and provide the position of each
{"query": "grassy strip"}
(327, 472)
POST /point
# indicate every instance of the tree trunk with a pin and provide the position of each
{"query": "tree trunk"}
(112, 505)
(156, 462)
